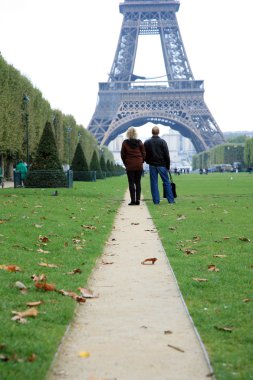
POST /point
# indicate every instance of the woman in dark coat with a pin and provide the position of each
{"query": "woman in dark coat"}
(133, 156)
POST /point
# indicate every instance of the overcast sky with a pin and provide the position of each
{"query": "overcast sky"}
(65, 47)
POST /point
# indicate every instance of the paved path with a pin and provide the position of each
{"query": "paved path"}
(138, 328)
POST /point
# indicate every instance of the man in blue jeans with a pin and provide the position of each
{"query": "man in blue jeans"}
(158, 158)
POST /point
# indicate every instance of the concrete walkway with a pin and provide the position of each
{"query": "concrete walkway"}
(138, 328)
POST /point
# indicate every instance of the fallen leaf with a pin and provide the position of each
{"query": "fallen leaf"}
(87, 293)
(33, 304)
(213, 268)
(246, 300)
(48, 265)
(196, 238)
(45, 286)
(75, 271)
(43, 239)
(33, 312)
(200, 279)
(73, 295)
(31, 358)
(39, 278)
(107, 262)
(172, 228)
(40, 250)
(224, 328)
(150, 261)
(84, 354)
(10, 268)
(21, 287)
(88, 227)
(135, 224)
(38, 225)
(18, 319)
(243, 238)
(166, 332)
(226, 237)
(181, 217)
(220, 256)
(189, 251)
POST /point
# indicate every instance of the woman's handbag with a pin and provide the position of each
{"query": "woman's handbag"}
(173, 187)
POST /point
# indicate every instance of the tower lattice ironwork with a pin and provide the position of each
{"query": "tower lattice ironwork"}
(129, 100)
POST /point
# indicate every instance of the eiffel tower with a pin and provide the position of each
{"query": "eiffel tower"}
(128, 100)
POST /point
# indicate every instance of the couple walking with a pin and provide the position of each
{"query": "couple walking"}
(156, 153)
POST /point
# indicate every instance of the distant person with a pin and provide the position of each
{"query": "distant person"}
(133, 155)
(158, 158)
(22, 169)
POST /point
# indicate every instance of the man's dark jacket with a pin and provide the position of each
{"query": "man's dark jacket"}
(157, 152)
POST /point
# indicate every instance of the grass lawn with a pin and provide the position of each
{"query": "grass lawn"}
(68, 231)
(208, 237)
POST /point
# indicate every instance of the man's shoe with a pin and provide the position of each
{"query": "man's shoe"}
(131, 204)
(137, 203)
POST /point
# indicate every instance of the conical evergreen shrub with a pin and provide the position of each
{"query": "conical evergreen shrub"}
(95, 165)
(46, 169)
(79, 164)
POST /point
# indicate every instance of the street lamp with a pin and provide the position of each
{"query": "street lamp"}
(26, 123)
(69, 129)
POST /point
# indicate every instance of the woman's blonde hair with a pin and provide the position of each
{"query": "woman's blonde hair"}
(131, 133)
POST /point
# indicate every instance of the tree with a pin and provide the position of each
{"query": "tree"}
(79, 164)
(95, 166)
(46, 169)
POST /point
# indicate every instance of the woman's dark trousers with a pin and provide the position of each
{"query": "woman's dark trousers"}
(134, 181)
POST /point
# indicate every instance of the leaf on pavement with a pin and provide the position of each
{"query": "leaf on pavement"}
(150, 261)
(84, 354)
(87, 293)
(107, 262)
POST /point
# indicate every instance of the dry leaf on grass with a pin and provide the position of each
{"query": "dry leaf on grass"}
(73, 295)
(243, 238)
(39, 278)
(88, 227)
(200, 279)
(150, 261)
(75, 271)
(35, 303)
(43, 239)
(246, 300)
(213, 268)
(10, 268)
(21, 287)
(48, 265)
(220, 256)
(45, 286)
(224, 328)
(189, 251)
(42, 251)
(33, 312)
(181, 217)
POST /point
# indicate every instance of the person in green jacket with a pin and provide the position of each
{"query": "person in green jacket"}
(22, 168)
